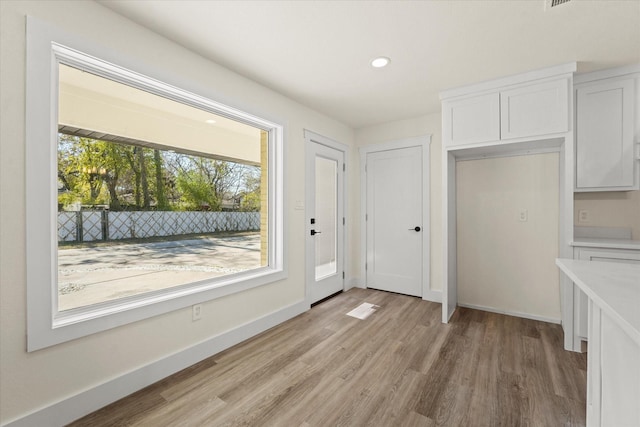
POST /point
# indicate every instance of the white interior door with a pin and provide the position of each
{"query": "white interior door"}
(394, 220)
(325, 221)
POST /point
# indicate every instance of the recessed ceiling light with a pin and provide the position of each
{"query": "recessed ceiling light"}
(210, 121)
(379, 62)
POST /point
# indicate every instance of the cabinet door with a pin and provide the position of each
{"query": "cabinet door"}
(619, 375)
(613, 373)
(533, 110)
(604, 136)
(594, 367)
(610, 255)
(471, 120)
(580, 299)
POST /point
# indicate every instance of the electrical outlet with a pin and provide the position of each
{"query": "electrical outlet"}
(523, 215)
(583, 215)
(196, 312)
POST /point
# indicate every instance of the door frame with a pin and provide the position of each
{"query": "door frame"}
(563, 143)
(310, 138)
(420, 141)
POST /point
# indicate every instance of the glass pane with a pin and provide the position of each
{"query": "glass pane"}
(152, 193)
(326, 217)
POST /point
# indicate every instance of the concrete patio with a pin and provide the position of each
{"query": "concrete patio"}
(99, 273)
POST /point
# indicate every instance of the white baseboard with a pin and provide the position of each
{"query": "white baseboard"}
(354, 282)
(511, 313)
(72, 408)
(433, 296)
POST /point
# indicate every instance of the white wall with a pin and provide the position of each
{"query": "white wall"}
(610, 209)
(504, 264)
(424, 125)
(31, 381)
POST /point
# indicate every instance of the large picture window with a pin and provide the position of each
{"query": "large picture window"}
(155, 198)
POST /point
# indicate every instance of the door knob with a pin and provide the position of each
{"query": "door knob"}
(314, 232)
(415, 229)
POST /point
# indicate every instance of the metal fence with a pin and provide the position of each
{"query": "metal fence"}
(87, 226)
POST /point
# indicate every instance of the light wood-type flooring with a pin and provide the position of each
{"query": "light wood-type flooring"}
(399, 367)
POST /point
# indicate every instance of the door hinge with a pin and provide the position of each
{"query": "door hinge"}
(344, 167)
(365, 168)
(366, 217)
(343, 221)
(343, 275)
(365, 265)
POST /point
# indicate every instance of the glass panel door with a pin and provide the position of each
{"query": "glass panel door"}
(326, 219)
(324, 243)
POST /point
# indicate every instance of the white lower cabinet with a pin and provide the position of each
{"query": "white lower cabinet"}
(580, 300)
(613, 373)
(613, 358)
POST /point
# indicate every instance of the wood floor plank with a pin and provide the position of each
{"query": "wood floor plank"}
(125, 412)
(565, 383)
(195, 408)
(432, 395)
(391, 410)
(321, 397)
(253, 378)
(399, 367)
(255, 405)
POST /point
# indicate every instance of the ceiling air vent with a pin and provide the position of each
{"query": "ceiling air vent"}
(548, 4)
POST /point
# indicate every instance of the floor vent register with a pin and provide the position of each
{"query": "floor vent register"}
(363, 311)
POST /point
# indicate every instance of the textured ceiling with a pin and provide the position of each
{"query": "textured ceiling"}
(318, 52)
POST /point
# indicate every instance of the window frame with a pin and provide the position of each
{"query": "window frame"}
(48, 46)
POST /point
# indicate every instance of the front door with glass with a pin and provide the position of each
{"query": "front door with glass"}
(325, 221)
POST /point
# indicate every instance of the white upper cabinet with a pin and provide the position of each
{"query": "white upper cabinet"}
(511, 109)
(537, 109)
(472, 120)
(605, 126)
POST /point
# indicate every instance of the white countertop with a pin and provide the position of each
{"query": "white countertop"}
(593, 242)
(614, 287)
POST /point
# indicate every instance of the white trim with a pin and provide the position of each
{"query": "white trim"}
(433, 296)
(497, 155)
(511, 313)
(353, 282)
(425, 143)
(315, 138)
(47, 46)
(524, 145)
(505, 82)
(546, 144)
(565, 234)
(81, 404)
(449, 236)
(564, 146)
(585, 78)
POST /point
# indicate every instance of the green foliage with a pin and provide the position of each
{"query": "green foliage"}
(251, 199)
(196, 192)
(125, 177)
(69, 198)
(250, 202)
